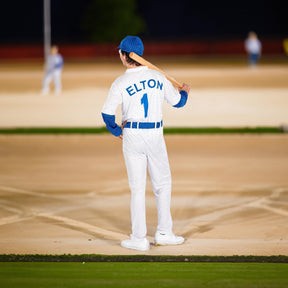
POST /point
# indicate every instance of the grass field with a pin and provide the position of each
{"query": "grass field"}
(96, 274)
(175, 130)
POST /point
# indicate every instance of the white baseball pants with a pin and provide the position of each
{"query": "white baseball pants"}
(56, 77)
(142, 149)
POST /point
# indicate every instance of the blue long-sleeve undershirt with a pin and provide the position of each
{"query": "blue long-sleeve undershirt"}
(111, 125)
(183, 100)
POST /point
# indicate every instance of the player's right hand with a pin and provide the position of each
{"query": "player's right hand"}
(122, 127)
(185, 87)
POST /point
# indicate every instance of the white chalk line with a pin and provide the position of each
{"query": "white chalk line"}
(210, 218)
(264, 202)
(20, 214)
(78, 225)
(27, 192)
(29, 213)
(205, 220)
(84, 226)
(13, 219)
(269, 208)
(75, 224)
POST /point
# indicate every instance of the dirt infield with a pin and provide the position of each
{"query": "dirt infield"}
(69, 194)
(227, 95)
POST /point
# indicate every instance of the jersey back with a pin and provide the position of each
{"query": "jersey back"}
(141, 91)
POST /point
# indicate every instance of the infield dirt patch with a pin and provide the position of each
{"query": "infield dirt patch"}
(221, 95)
(70, 194)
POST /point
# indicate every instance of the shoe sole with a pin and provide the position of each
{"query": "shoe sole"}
(136, 248)
(167, 243)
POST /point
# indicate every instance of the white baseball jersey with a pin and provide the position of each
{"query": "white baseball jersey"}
(54, 67)
(141, 91)
(54, 62)
(253, 46)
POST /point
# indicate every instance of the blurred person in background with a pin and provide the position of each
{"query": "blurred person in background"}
(285, 45)
(253, 48)
(53, 71)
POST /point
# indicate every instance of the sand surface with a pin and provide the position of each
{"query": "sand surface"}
(69, 194)
(220, 96)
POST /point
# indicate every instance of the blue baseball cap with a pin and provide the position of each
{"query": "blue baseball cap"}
(132, 44)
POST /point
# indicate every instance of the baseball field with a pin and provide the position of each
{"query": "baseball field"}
(66, 193)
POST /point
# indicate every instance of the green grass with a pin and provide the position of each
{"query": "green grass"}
(54, 130)
(174, 130)
(218, 130)
(140, 274)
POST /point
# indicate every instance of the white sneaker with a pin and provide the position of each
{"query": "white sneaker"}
(167, 239)
(142, 245)
(44, 92)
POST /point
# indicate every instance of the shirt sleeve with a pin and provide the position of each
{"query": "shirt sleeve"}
(59, 61)
(114, 99)
(171, 94)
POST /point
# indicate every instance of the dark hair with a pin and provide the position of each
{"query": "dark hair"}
(130, 60)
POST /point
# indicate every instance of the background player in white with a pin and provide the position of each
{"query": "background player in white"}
(253, 48)
(141, 92)
(53, 71)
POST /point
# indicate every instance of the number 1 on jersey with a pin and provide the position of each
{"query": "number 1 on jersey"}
(144, 101)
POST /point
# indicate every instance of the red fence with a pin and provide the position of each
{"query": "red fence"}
(213, 48)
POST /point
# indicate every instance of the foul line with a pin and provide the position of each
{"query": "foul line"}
(62, 220)
(25, 192)
(87, 227)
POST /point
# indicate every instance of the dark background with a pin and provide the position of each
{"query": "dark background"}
(22, 21)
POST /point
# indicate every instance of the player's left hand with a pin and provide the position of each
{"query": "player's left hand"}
(122, 127)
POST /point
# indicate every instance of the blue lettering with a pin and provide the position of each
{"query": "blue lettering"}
(130, 90)
(149, 83)
(143, 83)
(137, 90)
(159, 85)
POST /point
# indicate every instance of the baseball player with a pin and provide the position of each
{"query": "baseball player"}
(53, 72)
(253, 48)
(141, 92)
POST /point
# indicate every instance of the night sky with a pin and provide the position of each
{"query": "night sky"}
(22, 21)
